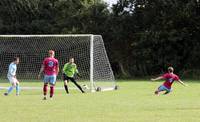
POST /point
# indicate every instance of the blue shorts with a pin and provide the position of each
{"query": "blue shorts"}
(50, 79)
(163, 88)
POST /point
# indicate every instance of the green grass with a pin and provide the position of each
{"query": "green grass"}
(134, 102)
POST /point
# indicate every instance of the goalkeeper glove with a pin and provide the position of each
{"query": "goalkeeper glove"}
(79, 75)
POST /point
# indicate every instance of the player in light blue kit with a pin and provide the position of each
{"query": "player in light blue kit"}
(12, 76)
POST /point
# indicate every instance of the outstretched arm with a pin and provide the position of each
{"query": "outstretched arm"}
(158, 78)
(181, 82)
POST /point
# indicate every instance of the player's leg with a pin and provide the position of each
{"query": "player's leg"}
(51, 90)
(65, 83)
(66, 86)
(167, 91)
(17, 87)
(52, 85)
(77, 85)
(160, 88)
(45, 87)
(10, 89)
(13, 84)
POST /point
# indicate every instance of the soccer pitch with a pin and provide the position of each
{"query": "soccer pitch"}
(133, 102)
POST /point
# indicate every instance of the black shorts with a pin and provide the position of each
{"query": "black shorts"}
(65, 77)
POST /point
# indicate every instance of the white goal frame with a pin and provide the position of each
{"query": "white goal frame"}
(93, 87)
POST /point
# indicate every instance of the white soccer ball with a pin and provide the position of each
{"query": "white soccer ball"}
(85, 87)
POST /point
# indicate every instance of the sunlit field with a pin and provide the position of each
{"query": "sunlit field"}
(133, 102)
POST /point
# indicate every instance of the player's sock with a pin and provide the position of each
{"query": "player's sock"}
(45, 89)
(17, 89)
(66, 89)
(51, 91)
(10, 89)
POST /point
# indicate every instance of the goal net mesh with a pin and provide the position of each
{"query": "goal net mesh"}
(32, 49)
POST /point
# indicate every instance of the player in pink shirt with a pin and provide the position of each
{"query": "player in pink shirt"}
(169, 78)
(50, 68)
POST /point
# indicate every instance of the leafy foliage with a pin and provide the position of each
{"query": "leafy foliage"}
(142, 37)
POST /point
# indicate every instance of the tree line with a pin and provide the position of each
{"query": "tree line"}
(142, 37)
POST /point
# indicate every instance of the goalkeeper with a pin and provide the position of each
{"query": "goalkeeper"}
(69, 70)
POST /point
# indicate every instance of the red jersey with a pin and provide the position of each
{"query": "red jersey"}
(50, 66)
(169, 79)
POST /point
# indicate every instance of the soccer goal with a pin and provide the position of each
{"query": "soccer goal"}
(88, 50)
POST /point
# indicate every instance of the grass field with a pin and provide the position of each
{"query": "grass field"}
(134, 102)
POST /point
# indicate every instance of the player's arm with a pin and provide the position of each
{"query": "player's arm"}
(77, 72)
(57, 69)
(181, 82)
(41, 70)
(158, 78)
(64, 68)
(79, 75)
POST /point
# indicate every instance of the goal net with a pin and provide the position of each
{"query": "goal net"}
(88, 50)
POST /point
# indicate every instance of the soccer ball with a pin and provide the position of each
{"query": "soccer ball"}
(98, 89)
(85, 87)
(116, 87)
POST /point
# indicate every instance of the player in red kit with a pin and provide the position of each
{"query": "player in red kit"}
(50, 68)
(169, 78)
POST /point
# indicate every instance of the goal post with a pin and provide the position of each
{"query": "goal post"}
(92, 86)
(87, 49)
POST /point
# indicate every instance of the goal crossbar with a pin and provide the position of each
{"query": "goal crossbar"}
(88, 49)
(53, 35)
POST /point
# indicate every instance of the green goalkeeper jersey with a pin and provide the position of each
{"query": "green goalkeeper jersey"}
(70, 69)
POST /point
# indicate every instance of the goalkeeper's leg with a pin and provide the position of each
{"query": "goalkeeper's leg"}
(73, 80)
(66, 87)
(65, 83)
